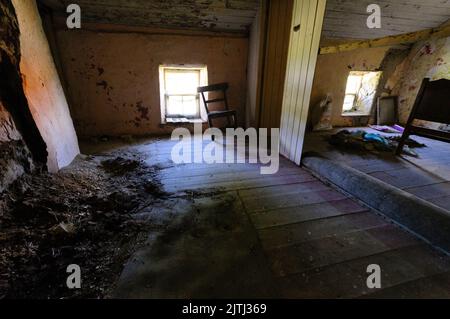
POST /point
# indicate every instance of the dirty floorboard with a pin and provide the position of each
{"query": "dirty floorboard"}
(230, 232)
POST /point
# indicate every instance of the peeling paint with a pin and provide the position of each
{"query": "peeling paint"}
(427, 59)
(187, 14)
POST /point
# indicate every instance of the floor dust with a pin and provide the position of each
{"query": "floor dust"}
(209, 250)
(82, 215)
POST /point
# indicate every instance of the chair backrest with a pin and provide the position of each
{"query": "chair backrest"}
(220, 87)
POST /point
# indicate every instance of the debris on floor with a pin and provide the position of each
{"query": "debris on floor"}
(363, 141)
(82, 215)
(387, 129)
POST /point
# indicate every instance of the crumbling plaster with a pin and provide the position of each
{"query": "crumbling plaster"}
(427, 59)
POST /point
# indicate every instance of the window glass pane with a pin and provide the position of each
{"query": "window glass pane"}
(349, 102)
(181, 92)
(190, 106)
(360, 91)
(179, 105)
(179, 89)
(353, 84)
(174, 106)
(182, 81)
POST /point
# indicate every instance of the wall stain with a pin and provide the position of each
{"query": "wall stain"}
(143, 111)
(103, 84)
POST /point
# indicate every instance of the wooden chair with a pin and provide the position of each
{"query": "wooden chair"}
(221, 87)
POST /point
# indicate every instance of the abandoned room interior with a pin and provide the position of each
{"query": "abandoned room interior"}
(293, 149)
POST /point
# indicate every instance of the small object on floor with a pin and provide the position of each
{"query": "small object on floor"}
(399, 128)
(325, 107)
(409, 141)
(63, 227)
(408, 151)
(377, 138)
(384, 128)
(445, 128)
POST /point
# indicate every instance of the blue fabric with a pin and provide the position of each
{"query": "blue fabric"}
(372, 137)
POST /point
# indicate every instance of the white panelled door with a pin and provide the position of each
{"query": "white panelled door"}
(303, 50)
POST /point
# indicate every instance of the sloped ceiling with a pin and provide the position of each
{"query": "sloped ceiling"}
(347, 18)
(344, 18)
(213, 15)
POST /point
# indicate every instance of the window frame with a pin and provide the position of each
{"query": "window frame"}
(165, 96)
(358, 111)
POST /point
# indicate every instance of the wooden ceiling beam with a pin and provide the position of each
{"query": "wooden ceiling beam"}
(405, 38)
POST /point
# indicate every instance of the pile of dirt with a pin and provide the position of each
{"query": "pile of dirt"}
(83, 216)
(15, 160)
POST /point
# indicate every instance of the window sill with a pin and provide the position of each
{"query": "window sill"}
(182, 121)
(355, 114)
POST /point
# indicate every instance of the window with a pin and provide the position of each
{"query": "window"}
(360, 92)
(180, 101)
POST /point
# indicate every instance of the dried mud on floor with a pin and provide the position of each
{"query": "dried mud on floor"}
(82, 215)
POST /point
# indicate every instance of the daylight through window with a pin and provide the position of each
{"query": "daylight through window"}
(360, 92)
(179, 97)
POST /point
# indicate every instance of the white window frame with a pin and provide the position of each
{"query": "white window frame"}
(358, 111)
(203, 81)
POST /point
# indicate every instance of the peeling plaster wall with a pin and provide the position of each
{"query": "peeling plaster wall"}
(331, 77)
(427, 59)
(114, 81)
(16, 125)
(15, 158)
(43, 88)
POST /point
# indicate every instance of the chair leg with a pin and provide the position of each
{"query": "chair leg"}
(228, 121)
(210, 126)
(402, 141)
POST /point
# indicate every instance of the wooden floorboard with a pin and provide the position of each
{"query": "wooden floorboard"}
(293, 215)
(292, 200)
(348, 279)
(429, 287)
(211, 177)
(297, 233)
(316, 241)
(240, 184)
(326, 251)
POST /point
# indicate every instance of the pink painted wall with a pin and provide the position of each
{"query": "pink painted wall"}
(43, 88)
(114, 81)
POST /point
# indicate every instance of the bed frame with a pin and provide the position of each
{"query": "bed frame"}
(432, 104)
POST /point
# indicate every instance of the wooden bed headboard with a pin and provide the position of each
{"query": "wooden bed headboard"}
(432, 104)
